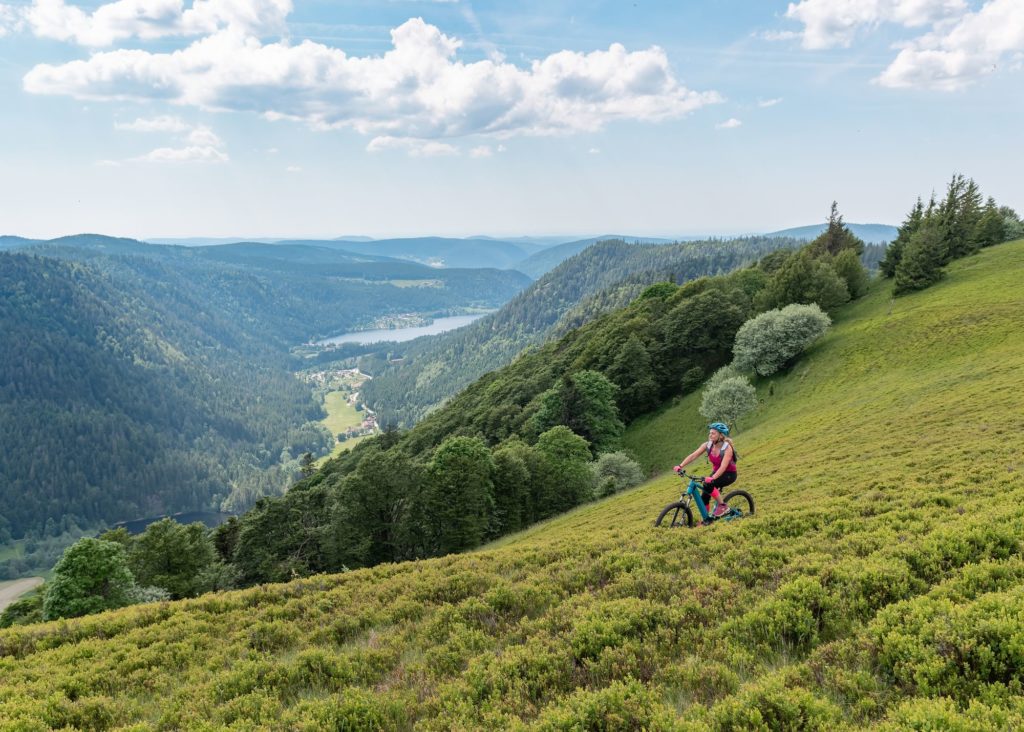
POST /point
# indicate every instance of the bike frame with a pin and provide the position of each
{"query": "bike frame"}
(693, 494)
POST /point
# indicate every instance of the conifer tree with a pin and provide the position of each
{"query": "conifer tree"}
(836, 237)
(959, 214)
(991, 227)
(585, 403)
(632, 371)
(921, 264)
(805, 279)
(895, 250)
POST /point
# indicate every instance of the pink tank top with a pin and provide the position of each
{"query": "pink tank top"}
(716, 460)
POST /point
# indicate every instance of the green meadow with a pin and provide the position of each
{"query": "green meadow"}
(340, 416)
(879, 586)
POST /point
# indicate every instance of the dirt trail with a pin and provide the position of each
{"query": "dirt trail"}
(11, 591)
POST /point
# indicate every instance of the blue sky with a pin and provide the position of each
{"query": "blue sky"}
(150, 118)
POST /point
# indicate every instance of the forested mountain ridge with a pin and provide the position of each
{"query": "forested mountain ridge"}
(436, 368)
(141, 379)
(876, 587)
(869, 233)
(536, 265)
(297, 291)
(446, 252)
(117, 406)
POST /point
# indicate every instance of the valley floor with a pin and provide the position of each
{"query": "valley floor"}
(11, 591)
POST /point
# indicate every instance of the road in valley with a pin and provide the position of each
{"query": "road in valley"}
(11, 591)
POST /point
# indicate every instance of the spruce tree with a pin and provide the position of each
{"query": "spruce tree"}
(921, 264)
(837, 237)
(895, 250)
(632, 371)
(991, 227)
(959, 214)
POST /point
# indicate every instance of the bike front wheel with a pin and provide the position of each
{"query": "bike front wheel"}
(740, 504)
(675, 514)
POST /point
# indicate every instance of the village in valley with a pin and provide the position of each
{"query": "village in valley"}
(348, 419)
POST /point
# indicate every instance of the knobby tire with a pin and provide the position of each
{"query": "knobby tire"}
(678, 514)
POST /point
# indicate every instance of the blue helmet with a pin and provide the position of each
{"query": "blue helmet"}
(720, 426)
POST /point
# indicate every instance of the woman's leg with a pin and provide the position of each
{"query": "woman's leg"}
(723, 481)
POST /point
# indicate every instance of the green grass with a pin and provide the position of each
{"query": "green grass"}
(879, 586)
(340, 416)
(14, 550)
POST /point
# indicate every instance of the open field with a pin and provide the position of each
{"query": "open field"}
(12, 550)
(340, 416)
(11, 590)
(879, 586)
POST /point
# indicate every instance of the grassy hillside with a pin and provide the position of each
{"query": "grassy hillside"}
(879, 585)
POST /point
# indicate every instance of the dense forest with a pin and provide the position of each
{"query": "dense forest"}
(604, 276)
(137, 380)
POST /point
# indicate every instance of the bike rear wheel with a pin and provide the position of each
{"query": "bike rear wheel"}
(675, 514)
(740, 504)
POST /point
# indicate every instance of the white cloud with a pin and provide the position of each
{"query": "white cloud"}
(777, 35)
(829, 23)
(190, 154)
(203, 136)
(594, 151)
(150, 19)
(953, 58)
(417, 90)
(293, 169)
(414, 147)
(164, 123)
(481, 151)
(769, 102)
(199, 142)
(10, 19)
(730, 124)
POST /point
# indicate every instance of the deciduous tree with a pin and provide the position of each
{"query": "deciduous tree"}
(92, 576)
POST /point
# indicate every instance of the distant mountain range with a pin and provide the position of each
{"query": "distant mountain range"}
(870, 233)
(531, 255)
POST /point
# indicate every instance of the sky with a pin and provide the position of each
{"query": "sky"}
(263, 118)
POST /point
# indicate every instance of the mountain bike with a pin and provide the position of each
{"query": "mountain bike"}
(739, 503)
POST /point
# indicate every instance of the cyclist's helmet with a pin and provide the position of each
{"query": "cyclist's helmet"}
(720, 426)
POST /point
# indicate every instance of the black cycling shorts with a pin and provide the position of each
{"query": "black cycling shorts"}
(722, 481)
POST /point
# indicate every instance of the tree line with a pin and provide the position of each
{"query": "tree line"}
(602, 278)
(933, 235)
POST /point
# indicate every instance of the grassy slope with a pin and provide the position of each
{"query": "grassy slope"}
(880, 584)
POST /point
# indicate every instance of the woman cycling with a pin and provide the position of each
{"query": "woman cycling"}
(722, 457)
